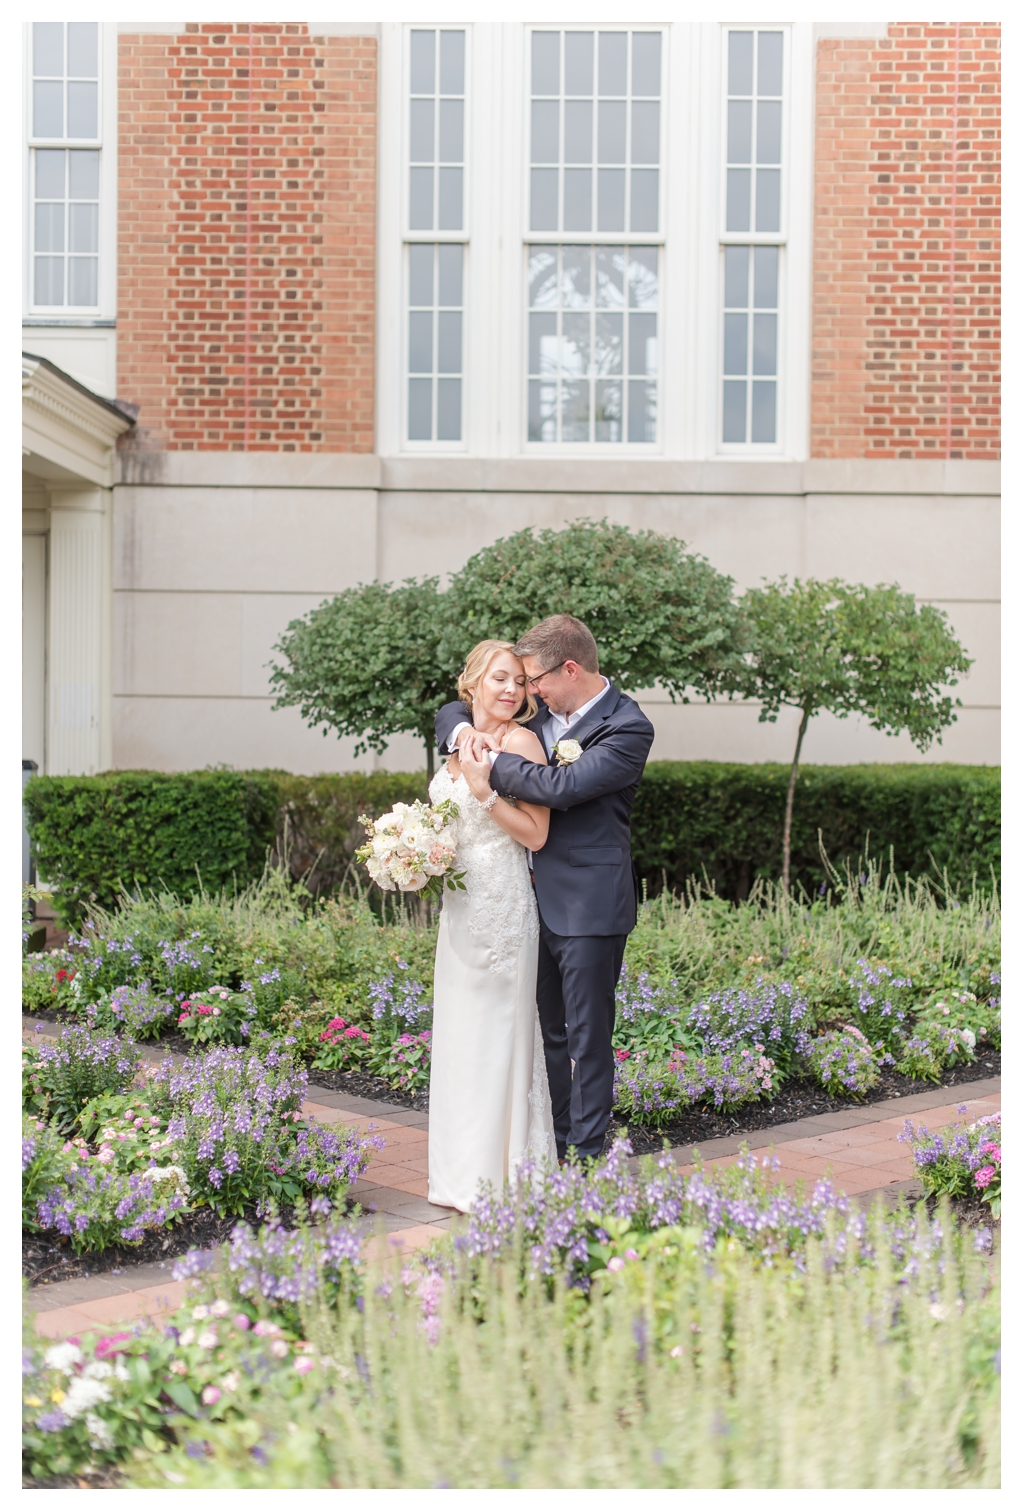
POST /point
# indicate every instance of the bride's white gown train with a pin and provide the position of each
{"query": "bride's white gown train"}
(489, 1102)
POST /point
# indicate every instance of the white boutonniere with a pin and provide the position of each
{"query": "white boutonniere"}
(566, 752)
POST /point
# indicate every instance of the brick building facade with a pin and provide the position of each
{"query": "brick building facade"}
(738, 283)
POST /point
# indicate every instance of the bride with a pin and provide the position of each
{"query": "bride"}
(489, 1102)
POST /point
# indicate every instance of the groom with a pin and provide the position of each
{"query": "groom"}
(585, 881)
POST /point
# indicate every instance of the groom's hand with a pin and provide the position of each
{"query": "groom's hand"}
(473, 745)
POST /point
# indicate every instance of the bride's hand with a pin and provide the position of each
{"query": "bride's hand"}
(476, 772)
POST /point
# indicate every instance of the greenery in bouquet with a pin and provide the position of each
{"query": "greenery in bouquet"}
(961, 1159)
(843, 1062)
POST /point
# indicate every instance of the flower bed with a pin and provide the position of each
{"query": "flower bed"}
(963, 1160)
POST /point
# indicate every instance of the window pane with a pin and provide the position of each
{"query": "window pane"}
(769, 62)
(420, 341)
(768, 200)
(83, 110)
(545, 134)
(578, 199)
(735, 343)
(449, 276)
(50, 173)
(737, 200)
(449, 341)
(49, 280)
(737, 276)
(451, 131)
(642, 411)
(646, 62)
(765, 344)
(452, 62)
(449, 216)
(610, 278)
(765, 276)
(449, 409)
(643, 213)
(575, 411)
(48, 52)
(740, 62)
(546, 62)
(613, 70)
(543, 425)
(575, 344)
(543, 199)
(543, 277)
(611, 131)
(611, 199)
(49, 228)
(84, 231)
(84, 281)
(420, 409)
(84, 174)
(421, 131)
(646, 132)
(575, 277)
(83, 51)
(768, 132)
(643, 278)
(643, 344)
(422, 72)
(47, 109)
(607, 346)
(579, 62)
(578, 131)
(763, 418)
(543, 338)
(740, 130)
(607, 412)
(420, 275)
(420, 216)
(733, 426)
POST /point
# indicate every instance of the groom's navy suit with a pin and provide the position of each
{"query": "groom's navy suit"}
(586, 896)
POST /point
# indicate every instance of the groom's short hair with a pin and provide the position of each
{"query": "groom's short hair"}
(557, 639)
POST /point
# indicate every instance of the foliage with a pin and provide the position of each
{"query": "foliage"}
(850, 649)
(408, 1061)
(657, 1091)
(774, 1019)
(844, 1062)
(343, 1046)
(961, 1159)
(95, 1207)
(218, 1016)
(44, 1161)
(93, 835)
(367, 664)
(658, 613)
(64, 1076)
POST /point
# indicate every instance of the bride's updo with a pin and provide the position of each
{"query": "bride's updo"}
(475, 669)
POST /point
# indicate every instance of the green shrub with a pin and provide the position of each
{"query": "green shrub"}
(91, 836)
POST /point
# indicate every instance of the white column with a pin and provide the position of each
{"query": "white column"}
(79, 633)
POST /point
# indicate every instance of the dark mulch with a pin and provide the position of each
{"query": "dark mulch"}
(102, 1477)
(972, 1212)
(354, 1084)
(798, 1098)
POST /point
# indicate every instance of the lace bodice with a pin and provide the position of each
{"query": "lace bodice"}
(501, 908)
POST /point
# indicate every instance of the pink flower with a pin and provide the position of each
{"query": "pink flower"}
(211, 1395)
(110, 1344)
(303, 1365)
(621, 1054)
(984, 1177)
(242, 1322)
(994, 1151)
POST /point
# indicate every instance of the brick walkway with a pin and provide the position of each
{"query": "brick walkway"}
(858, 1147)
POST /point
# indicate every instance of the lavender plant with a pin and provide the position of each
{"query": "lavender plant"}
(658, 1091)
(95, 1207)
(772, 1015)
(80, 1066)
(961, 1159)
(843, 1062)
(883, 1002)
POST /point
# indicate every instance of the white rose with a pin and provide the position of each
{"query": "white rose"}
(567, 751)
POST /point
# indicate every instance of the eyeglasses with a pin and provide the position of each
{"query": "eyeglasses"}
(535, 681)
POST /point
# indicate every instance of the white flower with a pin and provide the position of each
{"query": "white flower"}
(63, 1356)
(230, 1382)
(83, 1394)
(200, 1313)
(173, 1173)
(100, 1435)
(187, 1337)
(567, 751)
(98, 1369)
(219, 1308)
(969, 1039)
(208, 1339)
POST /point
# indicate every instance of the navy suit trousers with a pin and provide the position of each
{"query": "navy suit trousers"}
(575, 995)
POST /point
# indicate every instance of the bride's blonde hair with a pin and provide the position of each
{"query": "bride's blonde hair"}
(475, 669)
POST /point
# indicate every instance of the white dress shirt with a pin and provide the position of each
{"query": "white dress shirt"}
(556, 727)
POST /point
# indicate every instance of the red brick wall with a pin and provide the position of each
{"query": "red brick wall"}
(882, 225)
(242, 326)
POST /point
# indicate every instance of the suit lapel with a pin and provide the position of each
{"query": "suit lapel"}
(606, 706)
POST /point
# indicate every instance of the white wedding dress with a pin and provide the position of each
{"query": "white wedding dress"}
(489, 1102)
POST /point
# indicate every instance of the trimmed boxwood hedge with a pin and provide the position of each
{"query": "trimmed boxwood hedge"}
(692, 818)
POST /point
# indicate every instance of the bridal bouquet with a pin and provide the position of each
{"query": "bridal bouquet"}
(410, 849)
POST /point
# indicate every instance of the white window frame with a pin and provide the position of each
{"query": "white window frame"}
(104, 312)
(658, 238)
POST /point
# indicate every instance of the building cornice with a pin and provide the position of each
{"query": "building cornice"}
(65, 426)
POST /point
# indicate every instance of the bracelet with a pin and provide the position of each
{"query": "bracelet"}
(491, 800)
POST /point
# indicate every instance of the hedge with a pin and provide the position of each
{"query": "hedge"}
(692, 818)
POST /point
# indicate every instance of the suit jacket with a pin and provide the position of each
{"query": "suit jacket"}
(585, 879)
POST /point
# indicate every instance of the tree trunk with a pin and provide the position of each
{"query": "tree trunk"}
(428, 742)
(786, 841)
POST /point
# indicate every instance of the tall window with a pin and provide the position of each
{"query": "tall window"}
(65, 173)
(436, 206)
(595, 148)
(753, 239)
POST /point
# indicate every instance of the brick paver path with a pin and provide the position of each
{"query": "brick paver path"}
(858, 1147)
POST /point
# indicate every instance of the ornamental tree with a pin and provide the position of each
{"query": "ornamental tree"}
(658, 613)
(850, 649)
(366, 664)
